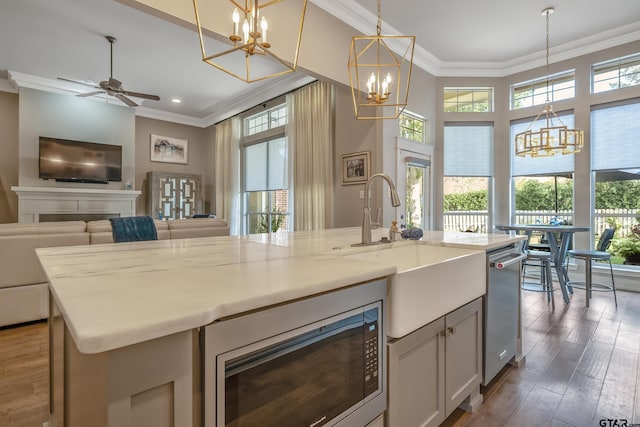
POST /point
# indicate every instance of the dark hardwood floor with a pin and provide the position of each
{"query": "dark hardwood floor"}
(582, 366)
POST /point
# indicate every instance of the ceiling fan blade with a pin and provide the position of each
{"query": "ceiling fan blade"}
(82, 95)
(126, 100)
(79, 83)
(141, 95)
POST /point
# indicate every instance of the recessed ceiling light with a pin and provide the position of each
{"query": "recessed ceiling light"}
(176, 100)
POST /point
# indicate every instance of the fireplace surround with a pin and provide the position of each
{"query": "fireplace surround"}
(39, 204)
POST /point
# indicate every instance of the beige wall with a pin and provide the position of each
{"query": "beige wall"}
(351, 136)
(9, 157)
(199, 156)
(39, 103)
(70, 117)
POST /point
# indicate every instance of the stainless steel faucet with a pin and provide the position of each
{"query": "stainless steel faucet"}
(366, 218)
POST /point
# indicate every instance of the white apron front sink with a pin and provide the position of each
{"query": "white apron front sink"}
(430, 282)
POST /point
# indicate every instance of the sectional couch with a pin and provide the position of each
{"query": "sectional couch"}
(24, 294)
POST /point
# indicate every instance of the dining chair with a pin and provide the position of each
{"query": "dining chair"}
(588, 256)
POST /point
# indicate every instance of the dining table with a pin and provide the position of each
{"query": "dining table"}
(559, 238)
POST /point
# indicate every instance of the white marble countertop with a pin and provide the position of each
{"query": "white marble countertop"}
(116, 295)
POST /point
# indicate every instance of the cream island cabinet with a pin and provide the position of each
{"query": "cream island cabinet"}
(127, 320)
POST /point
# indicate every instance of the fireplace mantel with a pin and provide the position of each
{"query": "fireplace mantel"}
(36, 201)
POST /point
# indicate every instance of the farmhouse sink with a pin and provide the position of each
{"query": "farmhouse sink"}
(430, 282)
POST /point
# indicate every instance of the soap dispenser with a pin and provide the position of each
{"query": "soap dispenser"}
(393, 230)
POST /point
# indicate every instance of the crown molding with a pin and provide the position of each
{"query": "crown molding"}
(593, 43)
(54, 86)
(166, 116)
(356, 16)
(248, 99)
(364, 21)
(252, 97)
(7, 86)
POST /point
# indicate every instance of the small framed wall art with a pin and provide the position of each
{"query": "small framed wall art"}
(355, 168)
(169, 150)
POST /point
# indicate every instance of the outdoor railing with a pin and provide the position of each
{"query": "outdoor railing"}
(477, 220)
(466, 221)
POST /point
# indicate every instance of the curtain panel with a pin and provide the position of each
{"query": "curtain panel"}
(311, 131)
(227, 174)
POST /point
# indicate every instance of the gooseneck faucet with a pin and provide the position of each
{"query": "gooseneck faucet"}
(366, 218)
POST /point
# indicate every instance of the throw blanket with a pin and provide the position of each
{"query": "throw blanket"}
(133, 229)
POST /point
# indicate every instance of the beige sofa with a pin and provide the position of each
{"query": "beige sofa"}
(24, 295)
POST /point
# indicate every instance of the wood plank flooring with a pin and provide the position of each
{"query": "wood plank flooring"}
(24, 375)
(582, 366)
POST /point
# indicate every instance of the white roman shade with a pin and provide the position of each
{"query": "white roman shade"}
(615, 136)
(468, 149)
(266, 165)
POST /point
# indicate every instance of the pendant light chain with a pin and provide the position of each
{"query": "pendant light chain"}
(379, 25)
(547, 54)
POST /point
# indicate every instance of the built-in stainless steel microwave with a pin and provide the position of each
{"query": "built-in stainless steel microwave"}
(312, 363)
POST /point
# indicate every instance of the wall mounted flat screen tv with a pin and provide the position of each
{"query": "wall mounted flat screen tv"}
(77, 161)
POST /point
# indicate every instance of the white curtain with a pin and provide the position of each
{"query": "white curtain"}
(311, 131)
(227, 163)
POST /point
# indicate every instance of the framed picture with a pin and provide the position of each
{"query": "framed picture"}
(169, 150)
(355, 168)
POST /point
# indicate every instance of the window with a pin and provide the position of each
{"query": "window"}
(266, 186)
(615, 74)
(467, 176)
(412, 127)
(468, 100)
(536, 92)
(266, 120)
(615, 137)
(266, 172)
(543, 186)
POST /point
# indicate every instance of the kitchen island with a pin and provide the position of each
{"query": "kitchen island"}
(116, 307)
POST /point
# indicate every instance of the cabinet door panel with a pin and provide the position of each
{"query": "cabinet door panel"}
(464, 353)
(416, 378)
(173, 196)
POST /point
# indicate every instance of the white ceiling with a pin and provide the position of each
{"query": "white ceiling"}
(46, 39)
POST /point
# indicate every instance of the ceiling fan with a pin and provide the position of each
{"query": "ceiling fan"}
(113, 87)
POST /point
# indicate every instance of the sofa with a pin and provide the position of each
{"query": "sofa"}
(24, 294)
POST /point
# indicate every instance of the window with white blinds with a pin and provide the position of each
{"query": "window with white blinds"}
(558, 164)
(468, 149)
(615, 136)
(266, 165)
